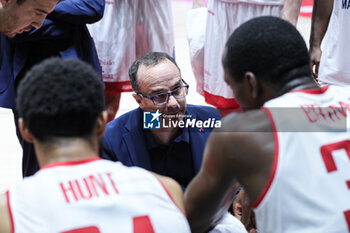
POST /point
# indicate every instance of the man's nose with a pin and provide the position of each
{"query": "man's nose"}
(172, 102)
(38, 23)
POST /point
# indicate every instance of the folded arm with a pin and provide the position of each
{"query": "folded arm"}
(211, 192)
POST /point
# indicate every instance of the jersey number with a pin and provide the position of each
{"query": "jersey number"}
(327, 156)
(141, 224)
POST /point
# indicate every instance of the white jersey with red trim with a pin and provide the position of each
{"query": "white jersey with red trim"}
(334, 67)
(93, 196)
(309, 186)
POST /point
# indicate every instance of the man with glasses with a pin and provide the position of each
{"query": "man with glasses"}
(171, 149)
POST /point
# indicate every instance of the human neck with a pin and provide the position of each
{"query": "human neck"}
(271, 92)
(65, 150)
(296, 84)
(299, 84)
(165, 136)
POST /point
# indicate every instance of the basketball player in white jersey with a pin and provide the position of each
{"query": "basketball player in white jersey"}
(294, 161)
(61, 108)
(330, 27)
(207, 43)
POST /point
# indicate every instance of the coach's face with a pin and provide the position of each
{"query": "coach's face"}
(23, 17)
(153, 81)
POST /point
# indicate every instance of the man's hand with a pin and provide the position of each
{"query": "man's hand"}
(243, 211)
(321, 14)
(315, 57)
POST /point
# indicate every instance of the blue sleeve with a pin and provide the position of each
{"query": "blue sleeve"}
(78, 11)
(49, 29)
(106, 151)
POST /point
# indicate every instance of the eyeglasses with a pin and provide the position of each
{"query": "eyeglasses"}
(163, 98)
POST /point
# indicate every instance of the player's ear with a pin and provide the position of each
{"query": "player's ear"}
(101, 123)
(253, 84)
(138, 99)
(28, 136)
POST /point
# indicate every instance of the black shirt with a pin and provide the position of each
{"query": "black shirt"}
(174, 160)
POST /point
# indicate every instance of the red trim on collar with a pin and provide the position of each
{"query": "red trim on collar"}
(71, 162)
(316, 91)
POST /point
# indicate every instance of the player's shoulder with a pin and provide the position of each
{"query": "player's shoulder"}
(5, 218)
(205, 111)
(242, 137)
(245, 122)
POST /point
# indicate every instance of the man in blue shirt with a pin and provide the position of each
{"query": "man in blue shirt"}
(17, 16)
(62, 34)
(174, 146)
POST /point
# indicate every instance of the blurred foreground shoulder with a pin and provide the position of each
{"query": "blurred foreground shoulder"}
(5, 219)
(174, 190)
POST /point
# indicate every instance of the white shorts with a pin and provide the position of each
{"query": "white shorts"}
(222, 19)
(127, 30)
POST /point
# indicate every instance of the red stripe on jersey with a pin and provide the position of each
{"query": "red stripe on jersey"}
(117, 87)
(89, 229)
(347, 218)
(275, 161)
(210, 12)
(10, 212)
(315, 91)
(171, 198)
(71, 162)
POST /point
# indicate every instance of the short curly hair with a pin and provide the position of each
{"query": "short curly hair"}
(60, 98)
(271, 48)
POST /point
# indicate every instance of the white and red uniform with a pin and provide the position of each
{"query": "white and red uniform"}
(309, 187)
(207, 43)
(334, 65)
(127, 30)
(93, 196)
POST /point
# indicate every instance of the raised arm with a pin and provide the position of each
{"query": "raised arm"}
(321, 13)
(50, 29)
(211, 192)
(291, 9)
(66, 13)
(5, 220)
(244, 149)
(78, 11)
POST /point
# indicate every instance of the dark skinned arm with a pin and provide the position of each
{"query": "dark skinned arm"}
(321, 14)
(215, 181)
(243, 148)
